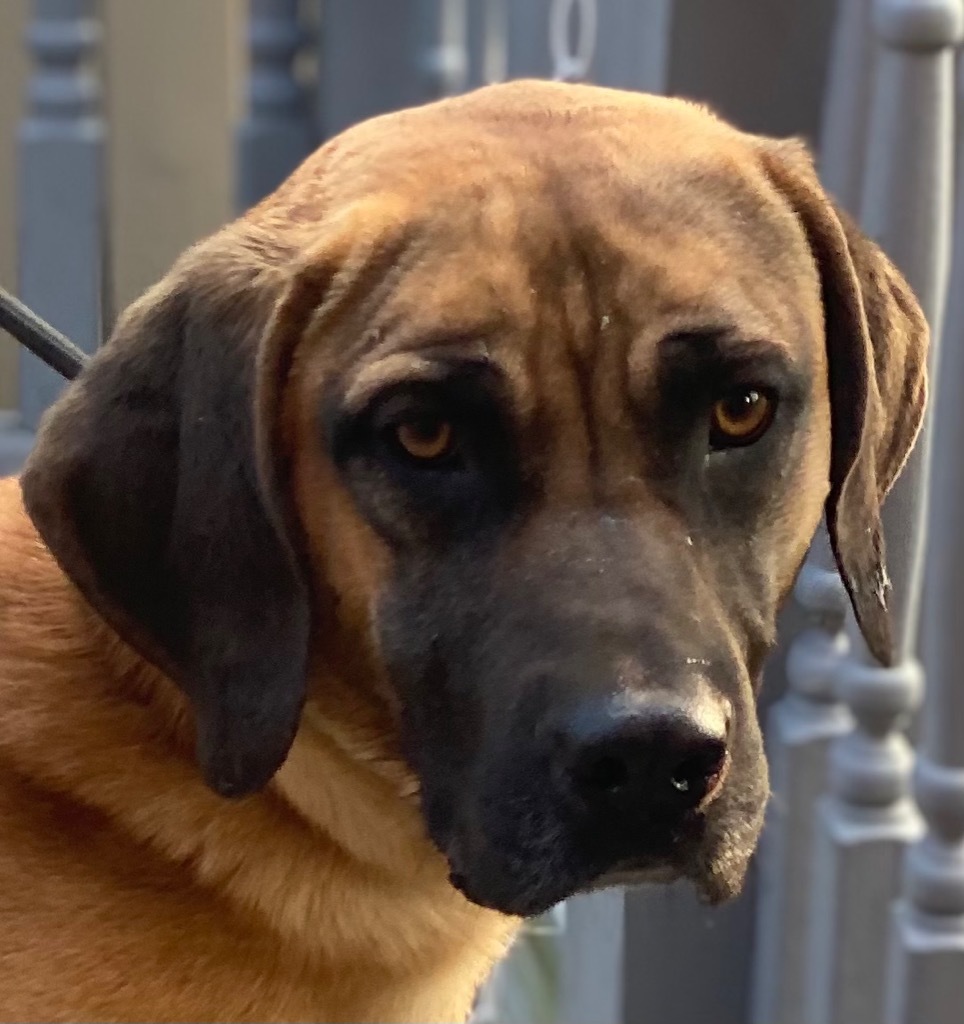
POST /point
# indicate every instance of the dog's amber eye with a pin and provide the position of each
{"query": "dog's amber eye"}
(426, 438)
(741, 418)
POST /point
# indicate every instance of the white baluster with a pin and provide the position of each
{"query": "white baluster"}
(524, 987)
(374, 57)
(446, 62)
(495, 48)
(846, 103)
(867, 820)
(593, 963)
(276, 133)
(800, 728)
(927, 942)
(572, 63)
(61, 201)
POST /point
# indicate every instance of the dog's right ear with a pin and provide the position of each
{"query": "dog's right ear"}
(145, 486)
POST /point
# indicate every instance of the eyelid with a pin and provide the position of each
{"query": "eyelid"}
(717, 367)
(390, 406)
(427, 366)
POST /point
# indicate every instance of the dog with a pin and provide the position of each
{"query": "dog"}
(407, 560)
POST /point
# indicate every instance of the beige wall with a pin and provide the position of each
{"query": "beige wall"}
(175, 90)
(12, 69)
(173, 75)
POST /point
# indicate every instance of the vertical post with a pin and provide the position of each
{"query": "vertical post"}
(446, 62)
(926, 972)
(800, 729)
(62, 194)
(527, 39)
(573, 47)
(846, 103)
(867, 820)
(373, 57)
(276, 133)
(495, 54)
(486, 42)
(524, 987)
(633, 44)
(592, 960)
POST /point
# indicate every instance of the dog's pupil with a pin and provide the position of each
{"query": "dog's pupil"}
(742, 404)
(427, 430)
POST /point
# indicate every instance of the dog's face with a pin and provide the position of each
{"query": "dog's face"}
(531, 402)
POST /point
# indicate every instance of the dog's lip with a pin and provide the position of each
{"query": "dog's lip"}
(664, 867)
(648, 870)
(526, 904)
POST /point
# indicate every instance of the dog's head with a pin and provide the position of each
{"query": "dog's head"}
(521, 409)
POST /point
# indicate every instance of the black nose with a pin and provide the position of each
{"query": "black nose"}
(661, 761)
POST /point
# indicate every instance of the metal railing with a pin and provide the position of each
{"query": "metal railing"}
(855, 913)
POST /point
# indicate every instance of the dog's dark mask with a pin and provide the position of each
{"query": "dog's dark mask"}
(508, 666)
(580, 591)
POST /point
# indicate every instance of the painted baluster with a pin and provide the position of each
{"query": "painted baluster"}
(847, 99)
(446, 63)
(372, 58)
(572, 58)
(593, 961)
(63, 224)
(633, 44)
(496, 54)
(867, 820)
(527, 39)
(276, 133)
(926, 973)
(485, 42)
(800, 729)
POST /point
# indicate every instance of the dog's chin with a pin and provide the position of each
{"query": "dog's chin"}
(712, 888)
(716, 868)
(522, 901)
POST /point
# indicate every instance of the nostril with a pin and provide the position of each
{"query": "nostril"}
(698, 773)
(658, 761)
(604, 774)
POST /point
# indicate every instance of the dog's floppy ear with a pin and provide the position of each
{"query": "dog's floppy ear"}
(877, 341)
(144, 484)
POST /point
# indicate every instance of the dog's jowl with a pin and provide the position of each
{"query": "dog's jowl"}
(407, 560)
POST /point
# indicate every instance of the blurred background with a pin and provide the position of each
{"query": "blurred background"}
(131, 128)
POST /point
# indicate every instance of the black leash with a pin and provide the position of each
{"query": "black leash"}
(35, 334)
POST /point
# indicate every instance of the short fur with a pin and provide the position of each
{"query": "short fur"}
(213, 565)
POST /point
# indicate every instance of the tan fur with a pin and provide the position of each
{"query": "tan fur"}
(143, 867)
(128, 890)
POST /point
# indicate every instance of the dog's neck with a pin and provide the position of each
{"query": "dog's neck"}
(333, 848)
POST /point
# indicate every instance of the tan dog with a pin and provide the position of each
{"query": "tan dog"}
(440, 508)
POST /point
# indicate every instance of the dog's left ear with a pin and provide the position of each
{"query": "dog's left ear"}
(877, 341)
(147, 486)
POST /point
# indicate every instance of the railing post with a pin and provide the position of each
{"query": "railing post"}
(446, 62)
(800, 729)
(633, 44)
(276, 132)
(527, 39)
(926, 971)
(490, 19)
(375, 56)
(867, 820)
(846, 103)
(592, 984)
(62, 193)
